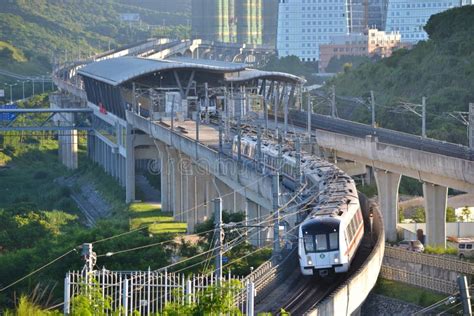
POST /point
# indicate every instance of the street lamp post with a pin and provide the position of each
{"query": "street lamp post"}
(11, 95)
(22, 87)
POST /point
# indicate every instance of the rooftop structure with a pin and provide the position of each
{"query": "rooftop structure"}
(110, 83)
(375, 43)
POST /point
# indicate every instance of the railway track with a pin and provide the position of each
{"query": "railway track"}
(384, 135)
(309, 293)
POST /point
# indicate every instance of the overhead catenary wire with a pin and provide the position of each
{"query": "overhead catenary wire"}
(37, 270)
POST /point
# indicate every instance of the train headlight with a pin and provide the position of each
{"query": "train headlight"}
(310, 262)
(336, 260)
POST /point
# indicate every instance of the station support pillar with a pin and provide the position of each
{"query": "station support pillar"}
(387, 186)
(130, 166)
(436, 198)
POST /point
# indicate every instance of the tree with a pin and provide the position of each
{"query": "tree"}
(466, 214)
(214, 300)
(401, 215)
(419, 216)
(91, 301)
(450, 215)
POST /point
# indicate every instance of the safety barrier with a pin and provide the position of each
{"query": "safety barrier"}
(417, 279)
(437, 261)
(347, 298)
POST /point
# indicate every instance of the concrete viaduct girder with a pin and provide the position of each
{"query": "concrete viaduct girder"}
(192, 174)
(437, 172)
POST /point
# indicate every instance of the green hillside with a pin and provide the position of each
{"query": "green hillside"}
(32, 32)
(442, 69)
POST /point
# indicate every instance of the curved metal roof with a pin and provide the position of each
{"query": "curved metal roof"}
(250, 74)
(116, 71)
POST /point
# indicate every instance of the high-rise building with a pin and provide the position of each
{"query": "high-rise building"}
(410, 16)
(305, 24)
(214, 20)
(376, 14)
(235, 21)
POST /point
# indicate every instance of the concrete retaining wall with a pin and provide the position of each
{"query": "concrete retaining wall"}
(348, 298)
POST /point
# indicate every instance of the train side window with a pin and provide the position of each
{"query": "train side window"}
(321, 242)
(469, 246)
(462, 246)
(309, 243)
(354, 226)
(333, 241)
(350, 233)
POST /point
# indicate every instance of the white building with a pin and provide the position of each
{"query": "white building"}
(305, 24)
(410, 16)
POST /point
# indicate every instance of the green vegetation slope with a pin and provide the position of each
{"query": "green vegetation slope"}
(32, 32)
(441, 68)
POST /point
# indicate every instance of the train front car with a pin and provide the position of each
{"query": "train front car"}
(319, 249)
(330, 237)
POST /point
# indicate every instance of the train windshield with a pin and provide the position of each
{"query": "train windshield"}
(321, 242)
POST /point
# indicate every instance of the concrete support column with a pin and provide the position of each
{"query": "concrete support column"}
(255, 235)
(387, 186)
(191, 204)
(165, 175)
(130, 167)
(226, 194)
(177, 185)
(68, 148)
(436, 198)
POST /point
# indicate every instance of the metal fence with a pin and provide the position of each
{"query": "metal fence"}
(145, 292)
(450, 264)
(421, 280)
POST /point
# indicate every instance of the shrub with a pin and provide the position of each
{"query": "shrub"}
(40, 175)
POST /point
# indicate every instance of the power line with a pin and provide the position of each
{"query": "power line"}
(37, 270)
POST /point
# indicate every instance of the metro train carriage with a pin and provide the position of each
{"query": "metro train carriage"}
(329, 238)
(332, 232)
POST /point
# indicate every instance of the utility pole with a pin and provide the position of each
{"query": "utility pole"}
(250, 298)
(471, 125)
(298, 162)
(413, 108)
(259, 148)
(90, 258)
(464, 294)
(276, 215)
(309, 115)
(372, 103)
(206, 101)
(265, 109)
(220, 132)
(33, 85)
(198, 122)
(134, 98)
(219, 232)
(239, 138)
(333, 101)
(423, 117)
(275, 106)
(172, 113)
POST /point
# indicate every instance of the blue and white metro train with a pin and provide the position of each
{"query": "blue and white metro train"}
(333, 229)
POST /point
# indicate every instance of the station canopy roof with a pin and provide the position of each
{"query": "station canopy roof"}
(115, 71)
